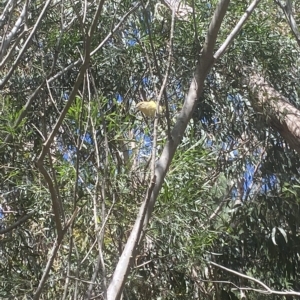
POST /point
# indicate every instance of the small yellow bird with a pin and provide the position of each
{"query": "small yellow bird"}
(148, 108)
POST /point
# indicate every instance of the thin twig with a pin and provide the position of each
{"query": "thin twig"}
(98, 185)
(157, 68)
(162, 90)
(267, 289)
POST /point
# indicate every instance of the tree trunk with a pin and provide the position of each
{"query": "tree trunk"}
(276, 109)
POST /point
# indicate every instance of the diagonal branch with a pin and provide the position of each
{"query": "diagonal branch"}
(266, 290)
(236, 29)
(26, 44)
(66, 69)
(129, 253)
(18, 223)
(6, 42)
(77, 83)
(204, 65)
(288, 11)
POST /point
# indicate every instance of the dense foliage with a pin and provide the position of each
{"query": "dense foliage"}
(230, 197)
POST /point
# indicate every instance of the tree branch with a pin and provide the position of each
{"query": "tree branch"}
(26, 44)
(288, 11)
(205, 63)
(122, 269)
(266, 290)
(236, 29)
(18, 223)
